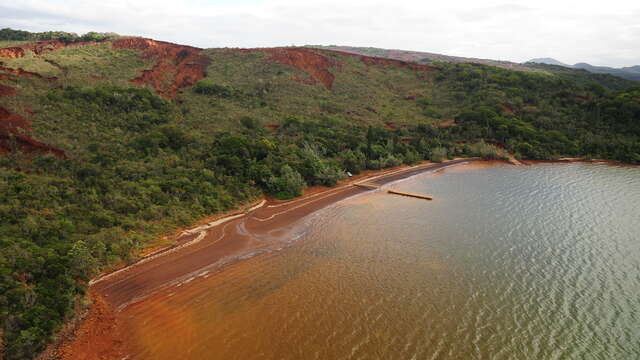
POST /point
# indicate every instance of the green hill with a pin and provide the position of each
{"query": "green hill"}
(110, 141)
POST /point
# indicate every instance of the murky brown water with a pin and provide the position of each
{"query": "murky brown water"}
(539, 262)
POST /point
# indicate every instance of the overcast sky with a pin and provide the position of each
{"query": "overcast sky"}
(600, 33)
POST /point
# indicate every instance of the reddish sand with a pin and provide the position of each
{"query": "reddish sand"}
(257, 232)
(176, 66)
(98, 336)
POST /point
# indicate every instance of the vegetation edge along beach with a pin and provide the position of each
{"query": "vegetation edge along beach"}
(85, 336)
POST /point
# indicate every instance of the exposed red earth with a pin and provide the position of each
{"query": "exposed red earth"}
(307, 60)
(317, 65)
(23, 73)
(38, 48)
(447, 123)
(12, 52)
(176, 66)
(6, 90)
(96, 336)
(14, 135)
(14, 129)
(508, 109)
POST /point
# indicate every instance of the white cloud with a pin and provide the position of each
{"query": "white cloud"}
(571, 31)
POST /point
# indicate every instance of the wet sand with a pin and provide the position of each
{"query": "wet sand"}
(202, 251)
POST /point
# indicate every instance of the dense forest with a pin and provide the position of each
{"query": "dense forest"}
(138, 164)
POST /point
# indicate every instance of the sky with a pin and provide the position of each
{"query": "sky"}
(599, 33)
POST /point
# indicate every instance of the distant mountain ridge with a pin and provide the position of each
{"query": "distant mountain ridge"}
(630, 72)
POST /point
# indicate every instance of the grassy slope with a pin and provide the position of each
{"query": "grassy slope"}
(361, 93)
(581, 76)
(266, 91)
(270, 92)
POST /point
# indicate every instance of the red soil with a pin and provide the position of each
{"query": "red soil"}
(176, 66)
(15, 129)
(7, 90)
(42, 47)
(445, 124)
(369, 60)
(12, 52)
(12, 123)
(23, 73)
(39, 48)
(317, 65)
(273, 127)
(97, 337)
(307, 60)
(507, 108)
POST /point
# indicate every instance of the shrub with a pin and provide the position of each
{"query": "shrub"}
(205, 87)
(354, 161)
(438, 154)
(288, 185)
(250, 123)
(390, 161)
(485, 151)
(412, 158)
(330, 175)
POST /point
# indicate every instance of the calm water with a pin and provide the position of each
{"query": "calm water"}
(539, 262)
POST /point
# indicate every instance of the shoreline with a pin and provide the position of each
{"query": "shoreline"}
(211, 245)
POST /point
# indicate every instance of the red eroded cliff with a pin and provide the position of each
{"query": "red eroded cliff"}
(6, 90)
(307, 60)
(176, 66)
(14, 130)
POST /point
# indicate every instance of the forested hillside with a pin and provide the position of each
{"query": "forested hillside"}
(108, 142)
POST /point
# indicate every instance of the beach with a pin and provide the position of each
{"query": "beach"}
(198, 252)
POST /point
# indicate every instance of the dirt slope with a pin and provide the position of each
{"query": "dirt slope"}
(14, 135)
(317, 64)
(314, 64)
(176, 66)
